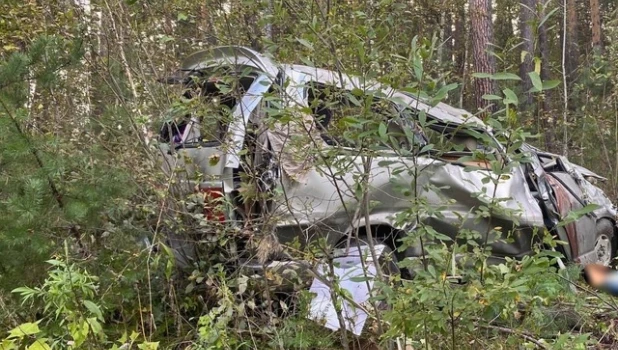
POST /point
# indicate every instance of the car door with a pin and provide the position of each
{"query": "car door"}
(325, 201)
(566, 197)
(571, 197)
(553, 200)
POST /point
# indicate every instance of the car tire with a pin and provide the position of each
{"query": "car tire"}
(605, 242)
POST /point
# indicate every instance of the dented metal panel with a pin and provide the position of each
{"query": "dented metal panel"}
(565, 205)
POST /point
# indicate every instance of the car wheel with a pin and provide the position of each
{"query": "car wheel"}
(605, 244)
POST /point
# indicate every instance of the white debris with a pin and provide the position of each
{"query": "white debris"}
(352, 280)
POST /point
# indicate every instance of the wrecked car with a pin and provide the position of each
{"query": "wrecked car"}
(279, 150)
(563, 188)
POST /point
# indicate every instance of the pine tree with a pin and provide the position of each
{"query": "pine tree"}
(51, 189)
(482, 38)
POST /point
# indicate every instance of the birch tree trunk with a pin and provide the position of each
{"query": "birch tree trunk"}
(205, 25)
(83, 102)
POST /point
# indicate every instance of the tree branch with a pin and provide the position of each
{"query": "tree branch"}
(515, 332)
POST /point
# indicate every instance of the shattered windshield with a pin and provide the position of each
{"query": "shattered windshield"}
(203, 112)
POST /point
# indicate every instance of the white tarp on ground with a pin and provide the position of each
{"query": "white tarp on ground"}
(351, 276)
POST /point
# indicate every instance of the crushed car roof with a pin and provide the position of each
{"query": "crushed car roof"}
(441, 112)
(582, 170)
(243, 56)
(229, 55)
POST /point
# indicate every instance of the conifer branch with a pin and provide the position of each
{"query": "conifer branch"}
(52, 185)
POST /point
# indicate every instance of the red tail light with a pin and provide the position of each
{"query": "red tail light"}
(213, 203)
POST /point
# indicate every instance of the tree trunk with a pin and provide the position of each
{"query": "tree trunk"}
(595, 18)
(460, 46)
(503, 26)
(204, 26)
(448, 37)
(268, 27)
(547, 126)
(84, 102)
(484, 61)
(460, 39)
(526, 15)
(572, 44)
